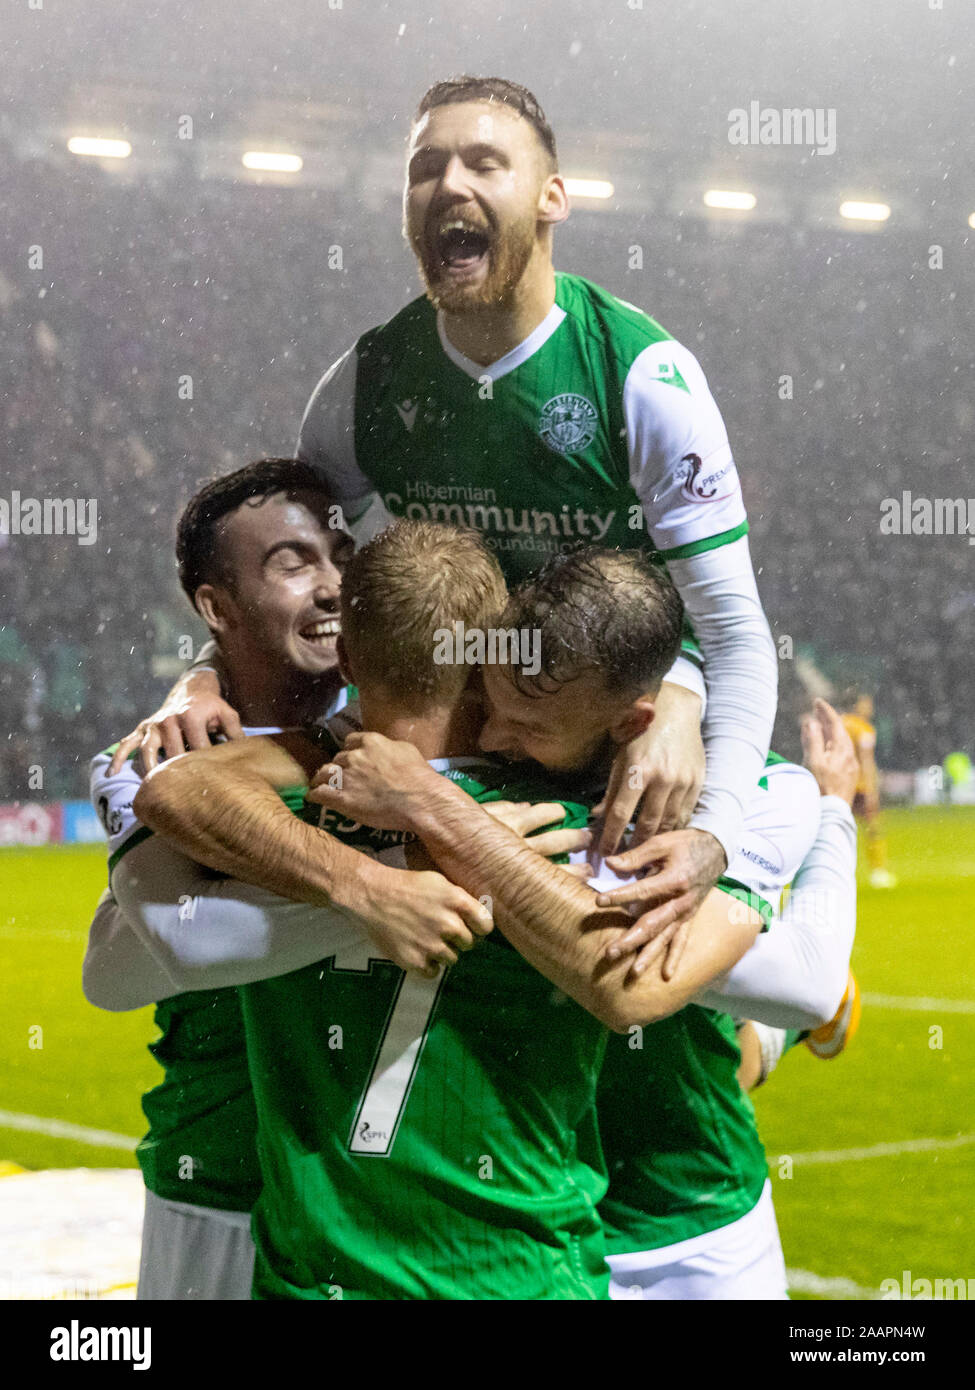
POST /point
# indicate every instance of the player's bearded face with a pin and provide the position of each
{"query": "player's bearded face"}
(566, 731)
(471, 205)
(469, 265)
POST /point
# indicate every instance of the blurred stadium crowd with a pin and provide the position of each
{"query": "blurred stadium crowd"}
(145, 285)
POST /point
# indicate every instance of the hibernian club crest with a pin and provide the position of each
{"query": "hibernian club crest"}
(568, 423)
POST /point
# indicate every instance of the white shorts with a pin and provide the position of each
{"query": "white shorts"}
(742, 1260)
(193, 1252)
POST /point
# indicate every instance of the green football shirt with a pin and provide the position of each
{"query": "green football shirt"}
(598, 428)
(681, 1141)
(201, 1146)
(201, 1143)
(680, 1136)
(426, 1139)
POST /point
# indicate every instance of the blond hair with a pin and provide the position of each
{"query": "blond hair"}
(402, 589)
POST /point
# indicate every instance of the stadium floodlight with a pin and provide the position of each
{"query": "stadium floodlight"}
(102, 149)
(725, 198)
(865, 212)
(276, 163)
(588, 188)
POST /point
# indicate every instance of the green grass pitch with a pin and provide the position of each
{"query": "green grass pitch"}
(909, 1075)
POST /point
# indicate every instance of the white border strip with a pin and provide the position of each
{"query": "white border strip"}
(905, 1146)
(921, 1005)
(61, 1129)
(804, 1281)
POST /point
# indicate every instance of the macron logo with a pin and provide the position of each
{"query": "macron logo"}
(76, 1343)
(407, 413)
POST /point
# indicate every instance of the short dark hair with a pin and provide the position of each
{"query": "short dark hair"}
(611, 611)
(520, 99)
(199, 556)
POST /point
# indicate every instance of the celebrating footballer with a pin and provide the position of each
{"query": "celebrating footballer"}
(464, 969)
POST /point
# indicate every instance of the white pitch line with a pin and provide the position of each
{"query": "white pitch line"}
(804, 1281)
(61, 1129)
(904, 1146)
(14, 933)
(920, 1005)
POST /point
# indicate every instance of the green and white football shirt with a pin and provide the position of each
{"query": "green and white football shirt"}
(426, 1139)
(680, 1137)
(201, 1145)
(598, 428)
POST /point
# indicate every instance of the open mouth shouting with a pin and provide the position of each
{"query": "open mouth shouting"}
(462, 249)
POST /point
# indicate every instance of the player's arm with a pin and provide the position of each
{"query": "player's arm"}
(119, 972)
(176, 928)
(550, 917)
(683, 471)
(796, 974)
(326, 442)
(220, 807)
(721, 598)
(684, 474)
(206, 933)
(192, 711)
(165, 928)
(182, 930)
(168, 927)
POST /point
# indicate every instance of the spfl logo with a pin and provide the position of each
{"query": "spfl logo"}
(371, 1136)
(568, 423)
(112, 819)
(700, 483)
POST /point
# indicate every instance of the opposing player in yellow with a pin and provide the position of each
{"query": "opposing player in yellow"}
(858, 720)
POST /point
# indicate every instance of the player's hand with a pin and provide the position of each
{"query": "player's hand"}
(681, 868)
(419, 920)
(829, 754)
(524, 817)
(193, 710)
(661, 772)
(378, 781)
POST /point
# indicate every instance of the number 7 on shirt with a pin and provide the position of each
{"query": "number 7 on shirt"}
(397, 1056)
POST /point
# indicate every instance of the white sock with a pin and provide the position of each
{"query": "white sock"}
(771, 1042)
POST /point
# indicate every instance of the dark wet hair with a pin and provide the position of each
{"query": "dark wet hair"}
(611, 611)
(199, 556)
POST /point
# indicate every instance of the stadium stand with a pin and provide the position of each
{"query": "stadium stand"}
(231, 286)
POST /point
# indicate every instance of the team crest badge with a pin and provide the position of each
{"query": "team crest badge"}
(568, 423)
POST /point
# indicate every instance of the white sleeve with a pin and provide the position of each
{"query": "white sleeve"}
(689, 677)
(681, 465)
(781, 824)
(683, 472)
(112, 799)
(207, 933)
(119, 971)
(209, 659)
(741, 675)
(795, 974)
(326, 441)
